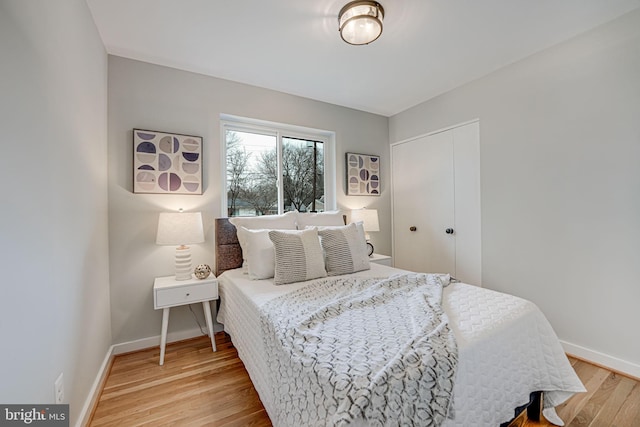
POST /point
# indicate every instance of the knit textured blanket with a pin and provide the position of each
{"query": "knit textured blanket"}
(345, 350)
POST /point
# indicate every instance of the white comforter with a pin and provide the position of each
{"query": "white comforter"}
(507, 349)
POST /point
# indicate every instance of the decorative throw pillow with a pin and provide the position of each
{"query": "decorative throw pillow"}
(298, 256)
(345, 249)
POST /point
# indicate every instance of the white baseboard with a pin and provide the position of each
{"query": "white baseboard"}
(154, 341)
(604, 360)
(96, 388)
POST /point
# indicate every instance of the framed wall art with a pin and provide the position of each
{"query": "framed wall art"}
(363, 174)
(166, 163)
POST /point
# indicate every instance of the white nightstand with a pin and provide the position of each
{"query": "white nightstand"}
(169, 292)
(381, 259)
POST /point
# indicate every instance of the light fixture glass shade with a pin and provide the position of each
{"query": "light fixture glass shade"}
(360, 22)
(369, 218)
(180, 229)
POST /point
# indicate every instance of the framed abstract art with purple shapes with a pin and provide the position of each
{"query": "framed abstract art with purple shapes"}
(166, 163)
(363, 175)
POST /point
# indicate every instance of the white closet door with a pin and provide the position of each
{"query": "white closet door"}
(436, 192)
(423, 194)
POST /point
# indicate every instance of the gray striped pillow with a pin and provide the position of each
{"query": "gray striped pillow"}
(298, 256)
(345, 249)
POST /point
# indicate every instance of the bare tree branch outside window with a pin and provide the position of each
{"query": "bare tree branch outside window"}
(237, 159)
(252, 176)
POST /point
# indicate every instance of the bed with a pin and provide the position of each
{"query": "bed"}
(495, 352)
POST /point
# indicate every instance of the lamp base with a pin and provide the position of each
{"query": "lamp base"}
(183, 263)
(369, 248)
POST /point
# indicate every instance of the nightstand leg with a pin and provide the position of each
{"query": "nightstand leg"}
(163, 337)
(207, 314)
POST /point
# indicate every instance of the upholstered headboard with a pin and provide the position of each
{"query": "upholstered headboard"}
(228, 251)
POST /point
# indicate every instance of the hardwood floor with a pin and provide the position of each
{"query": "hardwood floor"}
(198, 387)
(194, 387)
(611, 400)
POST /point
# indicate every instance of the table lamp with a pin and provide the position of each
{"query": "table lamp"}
(369, 218)
(180, 229)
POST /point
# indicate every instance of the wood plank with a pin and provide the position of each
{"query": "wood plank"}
(595, 405)
(629, 414)
(614, 403)
(592, 377)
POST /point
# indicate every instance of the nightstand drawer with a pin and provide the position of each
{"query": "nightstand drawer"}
(186, 294)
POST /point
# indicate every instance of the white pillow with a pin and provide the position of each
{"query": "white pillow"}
(258, 253)
(298, 256)
(286, 221)
(359, 225)
(333, 218)
(345, 249)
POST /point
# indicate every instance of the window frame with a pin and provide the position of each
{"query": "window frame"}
(280, 131)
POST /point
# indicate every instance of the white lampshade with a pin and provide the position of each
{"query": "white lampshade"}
(369, 218)
(180, 229)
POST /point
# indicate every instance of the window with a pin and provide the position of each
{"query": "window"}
(273, 168)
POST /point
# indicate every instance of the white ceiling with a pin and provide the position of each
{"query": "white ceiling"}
(427, 48)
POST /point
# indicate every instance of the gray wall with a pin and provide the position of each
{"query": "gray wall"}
(54, 308)
(147, 96)
(560, 181)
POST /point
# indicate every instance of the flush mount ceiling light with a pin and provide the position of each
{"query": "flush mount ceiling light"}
(361, 22)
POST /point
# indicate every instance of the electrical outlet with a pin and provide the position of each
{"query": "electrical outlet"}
(59, 389)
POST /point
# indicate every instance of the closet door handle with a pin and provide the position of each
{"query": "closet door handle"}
(449, 231)
(413, 228)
